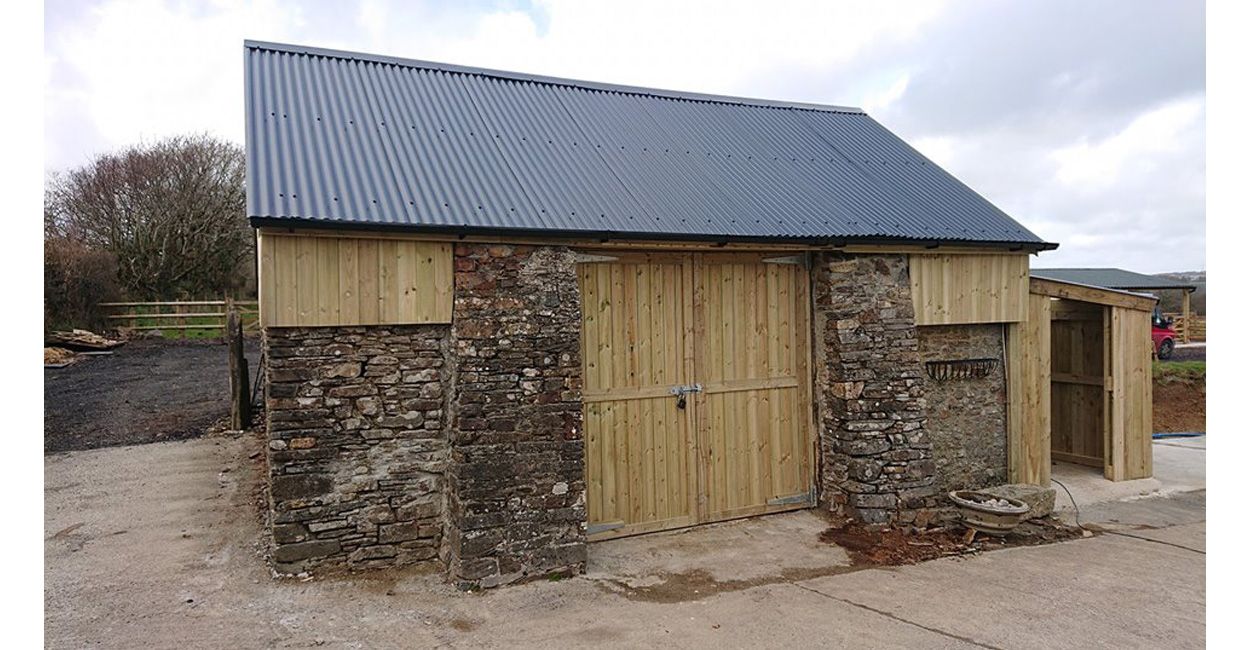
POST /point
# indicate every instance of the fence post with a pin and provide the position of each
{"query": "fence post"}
(240, 386)
(1185, 315)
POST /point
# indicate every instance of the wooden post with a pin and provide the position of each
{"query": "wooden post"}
(1185, 316)
(240, 386)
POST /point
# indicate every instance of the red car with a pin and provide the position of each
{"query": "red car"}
(1163, 336)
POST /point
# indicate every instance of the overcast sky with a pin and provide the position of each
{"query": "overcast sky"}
(1083, 120)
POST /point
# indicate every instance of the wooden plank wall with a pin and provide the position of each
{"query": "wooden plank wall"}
(1077, 383)
(353, 280)
(950, 289)
(640, 453)
(742, 446)
(1131, 407)
(751, 357)
(1028, 395)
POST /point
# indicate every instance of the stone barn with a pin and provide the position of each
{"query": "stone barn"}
(506, 316)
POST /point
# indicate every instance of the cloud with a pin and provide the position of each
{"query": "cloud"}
(146, 69)
(1137, 149)
(1085, 121)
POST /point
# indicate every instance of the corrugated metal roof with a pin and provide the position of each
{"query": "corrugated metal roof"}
(1111, 279)
(345, 139)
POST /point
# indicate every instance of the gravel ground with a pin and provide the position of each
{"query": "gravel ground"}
(146, 391)
(158, 546)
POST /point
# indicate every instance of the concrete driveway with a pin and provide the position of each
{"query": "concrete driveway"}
(157, 546)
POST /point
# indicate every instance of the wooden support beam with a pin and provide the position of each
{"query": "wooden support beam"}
(1029, 395)
(1185, 315)
(1056, 289)
(1068, 378)
(1076, 459)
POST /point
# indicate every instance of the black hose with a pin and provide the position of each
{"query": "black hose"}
(260, 366)
(1073, 500)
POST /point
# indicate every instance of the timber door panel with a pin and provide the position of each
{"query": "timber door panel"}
(751, 360)
(734, 324)
(639, 446)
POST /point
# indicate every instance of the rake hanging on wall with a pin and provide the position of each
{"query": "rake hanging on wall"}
(960, 368)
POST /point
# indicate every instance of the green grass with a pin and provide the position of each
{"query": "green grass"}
(212, 325)
(1187, 371)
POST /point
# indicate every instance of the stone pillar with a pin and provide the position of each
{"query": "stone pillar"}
(516, 491)
(876, 457)
(357, 444)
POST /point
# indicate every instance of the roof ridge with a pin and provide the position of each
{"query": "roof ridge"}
(289, 48)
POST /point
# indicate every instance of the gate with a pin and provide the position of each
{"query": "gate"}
(696, 388)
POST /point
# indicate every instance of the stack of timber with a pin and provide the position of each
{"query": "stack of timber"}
(54, 357)
(81, 341)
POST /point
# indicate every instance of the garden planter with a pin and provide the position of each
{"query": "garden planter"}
(987, 513)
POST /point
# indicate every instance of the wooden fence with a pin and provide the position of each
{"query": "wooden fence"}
(1199, 327)
(188, 318)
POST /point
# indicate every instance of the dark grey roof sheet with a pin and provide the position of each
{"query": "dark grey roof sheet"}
(344, 139)
(1111, 279)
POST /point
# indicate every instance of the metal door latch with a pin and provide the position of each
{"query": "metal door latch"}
(682, 391)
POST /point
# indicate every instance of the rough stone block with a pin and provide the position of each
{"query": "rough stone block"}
(299, 486)
(367, 553)
(286, 553)
(390, 533)
(345, 370)
(289, 533)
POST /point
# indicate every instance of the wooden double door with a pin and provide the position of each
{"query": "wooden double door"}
(696, 388)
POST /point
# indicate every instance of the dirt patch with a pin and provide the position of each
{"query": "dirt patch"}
(895, 546)
(462, 625)
(145, 391)
(698, 584)
(1180, 406)
(868, 548)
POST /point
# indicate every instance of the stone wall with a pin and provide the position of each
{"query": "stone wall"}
(357, 444)
(877, 463)
(967, 417)
(516, 497)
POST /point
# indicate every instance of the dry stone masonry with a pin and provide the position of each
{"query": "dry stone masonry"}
(357, 444)
(462, 443)
(877, 460)
(967, 416)
(516, 499)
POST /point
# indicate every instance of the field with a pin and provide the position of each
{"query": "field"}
(190, 320)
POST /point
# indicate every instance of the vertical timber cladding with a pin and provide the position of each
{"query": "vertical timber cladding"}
(727, 332)
(1130, 404)
(954, 289)
(319, 279)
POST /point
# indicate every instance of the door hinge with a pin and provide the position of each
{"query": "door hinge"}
(594, 529)
(801, 497)
(586, 258)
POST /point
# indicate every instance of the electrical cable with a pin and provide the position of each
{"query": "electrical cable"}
(1073, 500)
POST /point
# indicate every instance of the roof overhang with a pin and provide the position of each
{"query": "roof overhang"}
(1096, 295)
(937, 245)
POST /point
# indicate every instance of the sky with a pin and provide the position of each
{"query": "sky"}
(1085, 121)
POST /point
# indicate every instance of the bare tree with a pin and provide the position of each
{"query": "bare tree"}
(171, 213)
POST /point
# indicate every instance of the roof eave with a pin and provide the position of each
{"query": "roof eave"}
(294, 224)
